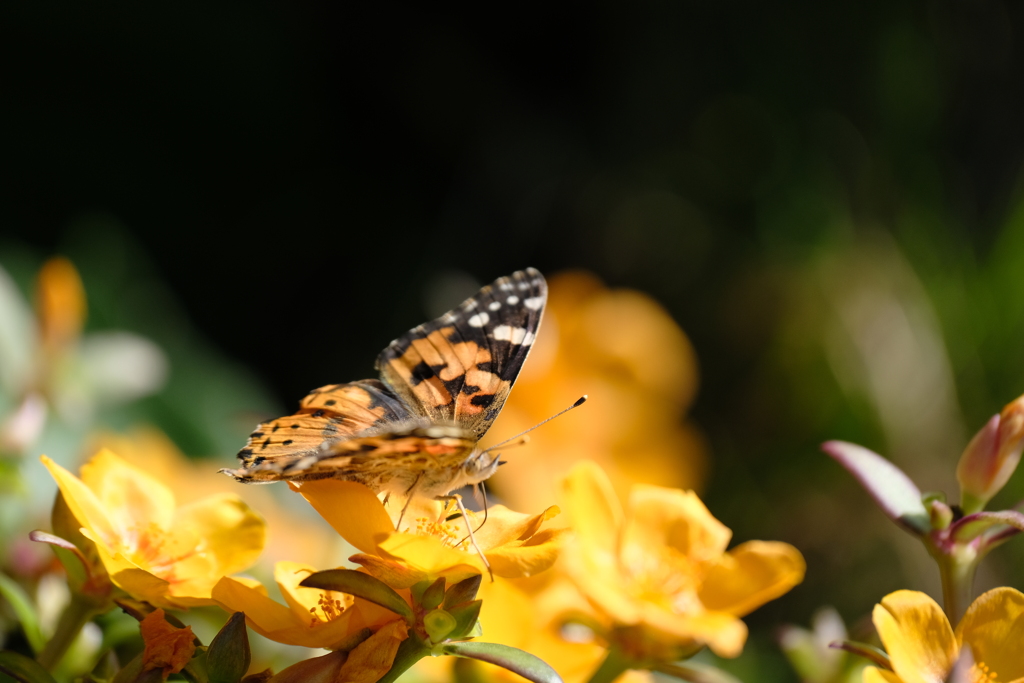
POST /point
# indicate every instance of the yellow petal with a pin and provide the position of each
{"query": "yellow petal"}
(352, 509)
(750, 575)
(505, 526)
(277, 622)
(724, 634)
(428, 554)
(526, 558)
(658, 517)
(373, 657)
(994, 628)
(917, 636)
(231, 533)
(302, 600)
(83, 503)
(593, 507)
(132, 498)
(873, 675)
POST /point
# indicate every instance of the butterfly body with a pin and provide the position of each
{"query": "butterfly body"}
(415, 430)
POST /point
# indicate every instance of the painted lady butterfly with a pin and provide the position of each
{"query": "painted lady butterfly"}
(414, 431)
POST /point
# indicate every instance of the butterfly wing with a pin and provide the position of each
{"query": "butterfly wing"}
(459, 368)
(328, 415)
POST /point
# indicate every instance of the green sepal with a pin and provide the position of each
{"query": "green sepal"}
(260, 677)
(23, 608)
(523, 663)
(130, 671)
(23, 669)
(197, 671)
(696, 673)
(433, 596)
(877, 657)
(228, 657)
(466, 616)
(361, 586)
(463, 591)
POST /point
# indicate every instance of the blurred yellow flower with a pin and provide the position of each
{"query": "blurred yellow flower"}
(60, 304)
(513, 543)
(155, 551)
(312, 617)
(293, 534)
(659, 570)
(624, 350)
(923, 648)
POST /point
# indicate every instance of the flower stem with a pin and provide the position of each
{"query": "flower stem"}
(412, 650)
(76, 615)
(957, 584)
(613, 666)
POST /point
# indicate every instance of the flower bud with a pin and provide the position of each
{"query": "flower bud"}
(991, 457)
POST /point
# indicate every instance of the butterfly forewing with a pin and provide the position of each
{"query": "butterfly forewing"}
(460, 367)
(444, 383)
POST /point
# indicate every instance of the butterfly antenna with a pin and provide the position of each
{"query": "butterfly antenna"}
(582, 399)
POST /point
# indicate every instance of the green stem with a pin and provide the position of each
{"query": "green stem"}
(412, 650)
(76, 615)
(957, 584)
(613, 666)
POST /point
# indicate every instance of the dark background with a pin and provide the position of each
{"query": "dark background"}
(290, 178)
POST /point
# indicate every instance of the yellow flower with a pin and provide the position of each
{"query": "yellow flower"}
(923, 648)
(660, 571)
(312, 617)
(624, 350)
(430, 546)
(166, 555)
(60, 304)
(293, 533)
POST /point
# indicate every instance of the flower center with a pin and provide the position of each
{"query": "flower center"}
(149, 548)
(448, 529)
(663, 576)
(981, 673)
(328, 608)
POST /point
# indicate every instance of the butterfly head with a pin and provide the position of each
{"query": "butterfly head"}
(480, 466)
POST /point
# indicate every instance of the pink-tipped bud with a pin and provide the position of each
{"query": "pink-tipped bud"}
(991, 457)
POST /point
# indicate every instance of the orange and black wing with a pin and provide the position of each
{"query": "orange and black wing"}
(460, 367)
(328, 415)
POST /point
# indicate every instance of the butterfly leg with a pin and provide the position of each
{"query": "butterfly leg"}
(408, 499)
(469, 527)
(480, 493)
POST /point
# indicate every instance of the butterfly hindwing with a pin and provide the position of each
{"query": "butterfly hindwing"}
(326, 415)
(460, 367)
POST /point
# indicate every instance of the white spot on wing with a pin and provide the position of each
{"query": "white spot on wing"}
(506, 286)
(469, 305)
(479, 320)
(515, 335)
(494, 305)
(512, 300)
(534, 303)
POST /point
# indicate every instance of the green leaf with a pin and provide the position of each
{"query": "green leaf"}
(23, 669)
(433, 596)
(466, 616)
(892, 490)
(463, 591)
(362, 586)
(523, 663)
(877, 657)
(24, 609)
(228, 656)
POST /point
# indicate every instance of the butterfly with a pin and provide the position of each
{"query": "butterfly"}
(416, 430)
